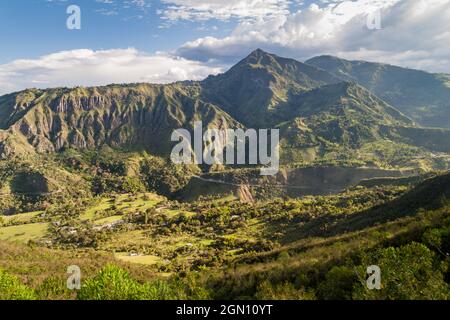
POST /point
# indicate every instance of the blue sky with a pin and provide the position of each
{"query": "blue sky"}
(169, 40)
(30, 28)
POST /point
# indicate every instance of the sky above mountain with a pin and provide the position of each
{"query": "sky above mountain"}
(169, 40)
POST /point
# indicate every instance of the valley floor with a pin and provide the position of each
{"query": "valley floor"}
(317, 247)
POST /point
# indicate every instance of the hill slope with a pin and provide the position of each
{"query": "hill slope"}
(132, 117)
(256, 88)
(423, 96)
(321, 116)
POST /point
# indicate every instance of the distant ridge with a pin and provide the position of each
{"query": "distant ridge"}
(323, 115)
(423, 96)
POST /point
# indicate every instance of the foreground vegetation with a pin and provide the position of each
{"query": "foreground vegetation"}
(136, 244)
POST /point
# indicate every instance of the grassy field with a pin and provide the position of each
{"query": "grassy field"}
(124, 203)
(139, 259)
(24, 233)
(21, 218)
(108, 220)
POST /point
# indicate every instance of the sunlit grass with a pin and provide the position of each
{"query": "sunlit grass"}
(24, 233)
(139, 259)
(124, 203)
(21, 218)
(108, 220)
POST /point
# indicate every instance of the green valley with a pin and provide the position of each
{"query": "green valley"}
(86, 179)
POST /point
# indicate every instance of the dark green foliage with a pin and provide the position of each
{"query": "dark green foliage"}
(32, 183)
(164, 177)
(407, 273)
(338, 284)
(107, 183)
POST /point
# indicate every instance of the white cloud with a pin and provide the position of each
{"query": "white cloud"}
(223, 10)
(414, 33)
(85, 67)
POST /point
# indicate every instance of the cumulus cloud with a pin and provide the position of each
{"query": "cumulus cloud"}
(223, 10)
(414, 34)
(86, 67)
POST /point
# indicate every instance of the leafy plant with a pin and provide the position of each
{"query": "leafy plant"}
(12, 289)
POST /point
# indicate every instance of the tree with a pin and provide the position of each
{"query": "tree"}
(407, 273)
(338, 284)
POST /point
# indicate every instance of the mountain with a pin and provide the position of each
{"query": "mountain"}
(323, 116)
(131, 117)
(256, 88)
(423, 96)
(347, 97)
(336, 118)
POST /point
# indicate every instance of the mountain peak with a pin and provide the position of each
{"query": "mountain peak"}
(260, 57)
(324, 57)
(258, 52)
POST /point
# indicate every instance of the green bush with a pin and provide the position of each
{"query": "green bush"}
(53, 288)
(438, 239)
(189, 288)
(114, 283)
(12, 289)
(409, 272)
(338, 284)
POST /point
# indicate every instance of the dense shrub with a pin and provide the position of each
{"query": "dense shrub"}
(108, 183)
(338, 284)
(407, 273)
(114, 283)
(12, 289)
(53, 288)
(165, 177)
